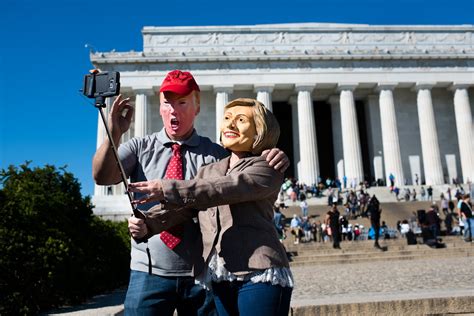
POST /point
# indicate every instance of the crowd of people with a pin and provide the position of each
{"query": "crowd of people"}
(456, 215)
(426, 194)
(329, 188)
(334, 227)
(452, 212)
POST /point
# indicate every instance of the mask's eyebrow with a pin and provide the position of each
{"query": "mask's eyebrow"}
(241, 115)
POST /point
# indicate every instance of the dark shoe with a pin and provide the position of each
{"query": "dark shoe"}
(377, 246)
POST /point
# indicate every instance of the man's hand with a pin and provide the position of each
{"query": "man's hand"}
(152, 190)
(137, 227)
(277, 159)
(119, 123)
(104, 167)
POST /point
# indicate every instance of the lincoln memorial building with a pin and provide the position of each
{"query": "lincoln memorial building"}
(354, 101)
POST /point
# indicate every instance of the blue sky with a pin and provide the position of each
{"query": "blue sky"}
(43, 59)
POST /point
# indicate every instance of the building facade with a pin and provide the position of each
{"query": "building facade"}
(355, 102)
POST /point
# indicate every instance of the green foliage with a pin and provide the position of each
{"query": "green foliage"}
(54, 251)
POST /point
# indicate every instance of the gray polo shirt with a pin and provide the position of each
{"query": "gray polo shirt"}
(146, 159)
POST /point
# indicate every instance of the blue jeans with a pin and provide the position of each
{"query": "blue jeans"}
(468, 228)
(304, 211)
(156, 295)
(434, 230)
(247, 298)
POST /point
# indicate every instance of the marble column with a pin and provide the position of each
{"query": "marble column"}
(141, 111)
(374, 135)
(307, 135)
(337, 138)
(462, 112)
(222, 98)
(433, 169)
(101, 136)
(296, 139)
(264, 95)
(353, 168)
(391, 144)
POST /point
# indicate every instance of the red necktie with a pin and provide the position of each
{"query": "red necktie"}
(172, 237)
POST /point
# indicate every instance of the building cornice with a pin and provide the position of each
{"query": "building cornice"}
(307, 27)
(134, 58)
(288, 42)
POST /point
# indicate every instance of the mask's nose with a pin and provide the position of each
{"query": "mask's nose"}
(230, 124)
(172, 109)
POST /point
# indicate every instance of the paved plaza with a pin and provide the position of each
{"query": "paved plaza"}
(382, 281)
(349, 283)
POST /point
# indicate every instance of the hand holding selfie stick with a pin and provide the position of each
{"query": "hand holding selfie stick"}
(101, 86)
(136, 212)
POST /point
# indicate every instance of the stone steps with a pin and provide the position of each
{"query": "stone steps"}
(384, 195)
(450, 241)
(391, 212)
(339, 252)
(363, 251)
(381, 257)
(367, 251)
(459, 305)
(327, 248)
(376, 253)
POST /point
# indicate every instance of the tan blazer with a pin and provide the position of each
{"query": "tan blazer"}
(238, 221)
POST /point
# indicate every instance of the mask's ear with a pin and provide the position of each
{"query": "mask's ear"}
(197, 100)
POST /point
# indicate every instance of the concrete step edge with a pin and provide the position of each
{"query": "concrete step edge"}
(460, 305)
(296, 262)
(336, 253)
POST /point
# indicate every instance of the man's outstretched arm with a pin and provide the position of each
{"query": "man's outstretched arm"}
(104, 166)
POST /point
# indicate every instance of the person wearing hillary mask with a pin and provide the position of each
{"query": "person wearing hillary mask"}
(162, 268)
(246, 265)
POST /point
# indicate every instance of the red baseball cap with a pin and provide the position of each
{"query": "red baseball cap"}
(180, 82)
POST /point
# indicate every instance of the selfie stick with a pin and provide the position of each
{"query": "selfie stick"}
(99, 104)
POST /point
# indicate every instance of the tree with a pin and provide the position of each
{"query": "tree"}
(54, 251)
